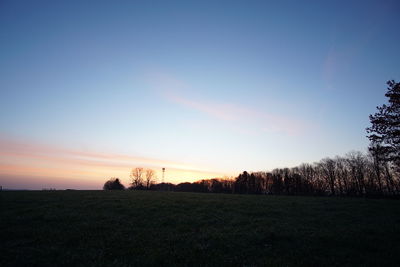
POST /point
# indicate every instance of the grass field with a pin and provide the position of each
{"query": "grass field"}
(99, 228)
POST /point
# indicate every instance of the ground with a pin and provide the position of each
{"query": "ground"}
(137, 228)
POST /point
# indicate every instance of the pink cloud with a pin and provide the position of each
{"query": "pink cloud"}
(329, 66)
(256, 120)
(87, 168)
(13, 148)
(241, 118)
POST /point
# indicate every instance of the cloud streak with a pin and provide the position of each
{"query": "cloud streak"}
(255, 121)
(88, 169)
(260, 121)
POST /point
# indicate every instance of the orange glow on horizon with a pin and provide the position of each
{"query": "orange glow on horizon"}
(33, 166)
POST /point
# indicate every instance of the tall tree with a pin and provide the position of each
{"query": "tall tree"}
(137, 177)
(384, 132)
(150, 178)
(328, 168)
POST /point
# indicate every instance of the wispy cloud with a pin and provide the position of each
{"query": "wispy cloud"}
(329, 67)
(252, 119)
(44, 152)
(87, 169)
(249, 119)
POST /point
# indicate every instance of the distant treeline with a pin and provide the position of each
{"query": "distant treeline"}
(355, 174)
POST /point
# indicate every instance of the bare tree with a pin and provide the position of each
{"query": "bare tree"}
(328, 168)
(357, 168)
(378, 164)
(137, 177)
(342, 175)
(150, 178)
(309, 174)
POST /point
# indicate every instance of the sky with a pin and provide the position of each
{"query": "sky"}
(91, 89)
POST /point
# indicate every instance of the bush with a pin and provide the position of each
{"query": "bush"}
(113, 184)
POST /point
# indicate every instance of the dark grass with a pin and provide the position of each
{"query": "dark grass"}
(98, 228)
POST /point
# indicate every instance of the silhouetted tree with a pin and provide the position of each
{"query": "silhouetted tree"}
(241, 184)
(150, 178)
(384, 133)
(185, 187)
(328, 168)
(357, 168)
(137, 178)
(113, 184)
(342, 175)
(227, 184)
(277, 182)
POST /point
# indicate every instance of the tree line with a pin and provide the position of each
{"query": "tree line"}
(355, 174)
(376, 173)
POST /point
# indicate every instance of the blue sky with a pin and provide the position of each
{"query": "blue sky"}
(220, 86)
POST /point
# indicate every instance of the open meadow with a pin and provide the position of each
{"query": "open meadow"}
(140, 228)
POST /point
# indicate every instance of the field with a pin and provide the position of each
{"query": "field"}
(133, 228)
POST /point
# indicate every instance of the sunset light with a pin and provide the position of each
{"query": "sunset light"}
(199, 133)
(37, 166)
(90, 91)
